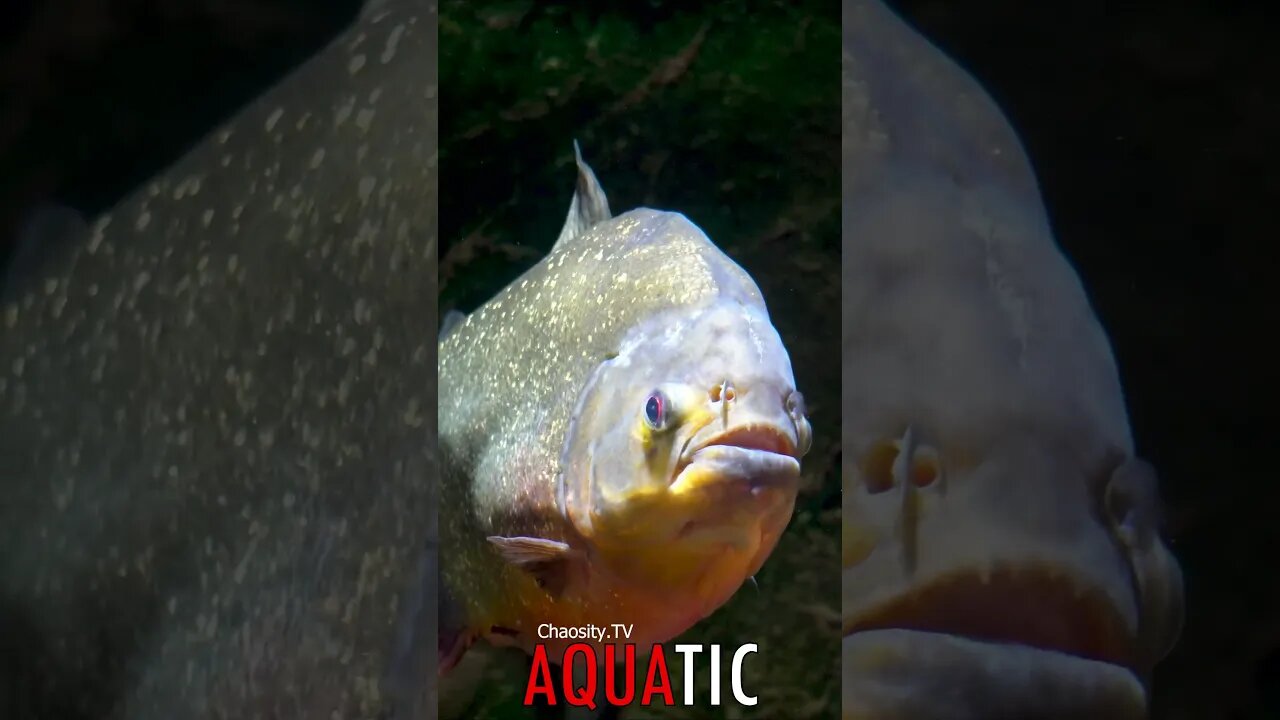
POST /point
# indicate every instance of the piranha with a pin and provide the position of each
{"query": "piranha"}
(1001, 554)
(216, 426)
(620, 437)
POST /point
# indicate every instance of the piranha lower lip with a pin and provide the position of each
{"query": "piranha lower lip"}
(1031, 606)
(913, 674)
(728, 466)
(759, 455)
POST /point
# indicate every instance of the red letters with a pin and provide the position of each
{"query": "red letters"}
(540, 678)
(658, 672)
(584, 696)
(628, 675)
(657, 684)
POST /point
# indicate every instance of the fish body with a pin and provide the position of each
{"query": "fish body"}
(215, 416)
(620, 436)
(1000, 552)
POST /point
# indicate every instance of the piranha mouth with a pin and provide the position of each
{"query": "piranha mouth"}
(753, 457)
(754, 437)
(1034, 607)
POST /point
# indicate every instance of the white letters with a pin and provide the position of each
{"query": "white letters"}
(738, 694)
(715, 675)
(597, 633)
(688, 651)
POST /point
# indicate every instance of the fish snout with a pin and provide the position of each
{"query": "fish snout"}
(746, 411)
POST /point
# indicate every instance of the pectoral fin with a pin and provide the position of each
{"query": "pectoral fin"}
(451, 647)
(547, 560)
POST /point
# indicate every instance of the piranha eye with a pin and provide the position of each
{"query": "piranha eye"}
(655, 410)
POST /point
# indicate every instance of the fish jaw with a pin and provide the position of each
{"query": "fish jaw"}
(676, 552)
(1020, 597)
(732, 492)
(1033, 606)
(910, 674)
(733, 470)
(697, 540)
(1017, 642)
(736, 499)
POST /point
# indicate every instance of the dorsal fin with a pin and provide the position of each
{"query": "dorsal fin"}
(589, 205)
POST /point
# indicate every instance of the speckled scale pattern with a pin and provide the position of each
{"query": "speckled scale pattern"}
(217, 437)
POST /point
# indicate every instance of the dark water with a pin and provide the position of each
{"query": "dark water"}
(1151, 126)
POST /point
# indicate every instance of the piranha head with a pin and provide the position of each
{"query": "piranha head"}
(681, 465)
(685, 452)
(1000, 549)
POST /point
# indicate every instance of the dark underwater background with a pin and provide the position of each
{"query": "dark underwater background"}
(1151, 125)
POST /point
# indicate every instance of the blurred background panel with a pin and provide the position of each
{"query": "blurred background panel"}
(1151, 129)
